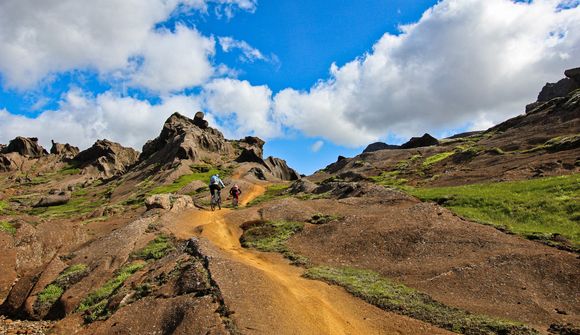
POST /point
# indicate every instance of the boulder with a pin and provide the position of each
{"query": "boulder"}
(302, 186)
(254, 143)
(57, 199)
(418, 142)
(65, 150)
(174, 203)
(379, 146)
(199, 121)
(108, 157)
(25, 146)
(162, 201)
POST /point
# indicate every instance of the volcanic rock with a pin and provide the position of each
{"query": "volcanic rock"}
(172, 202)
(258, 173)
(108, 157)
(559, 89)
(302, 186)
(280, 169)
(184, 139)
(573, 74)
(250, 156)
(254, 143)
(58, 199)
(418, 142)
(379, 146)
(199, 121)
(25, 146)
(66, 150)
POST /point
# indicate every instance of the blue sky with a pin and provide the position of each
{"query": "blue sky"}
(316, 79)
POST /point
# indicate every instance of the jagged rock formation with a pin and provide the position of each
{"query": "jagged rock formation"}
(65, 150)
(60, 198)
(418, 142)
(559, 89)
(379, 146)
(280, 169)
(109, 158)
(25, 146)
(184, 139)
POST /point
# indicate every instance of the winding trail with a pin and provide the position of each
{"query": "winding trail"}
(286, 302)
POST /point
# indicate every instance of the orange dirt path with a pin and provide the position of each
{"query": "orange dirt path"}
(302, 306)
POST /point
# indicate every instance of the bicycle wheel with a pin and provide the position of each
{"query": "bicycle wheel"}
(219, 202)
(212, 203)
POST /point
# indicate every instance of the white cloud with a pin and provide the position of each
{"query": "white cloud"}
(249, 53)
(81, 119)
(316, 146)
(244, 109)
(175, 61)
(465, 61)
(40, 38)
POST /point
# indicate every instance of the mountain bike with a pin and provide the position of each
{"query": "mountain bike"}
(216, 201)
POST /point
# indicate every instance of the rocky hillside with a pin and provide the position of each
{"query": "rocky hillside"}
(473, 234)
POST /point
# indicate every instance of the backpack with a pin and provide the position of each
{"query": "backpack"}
(213, 180)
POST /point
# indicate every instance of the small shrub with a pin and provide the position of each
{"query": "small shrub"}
(50, 294)
(322, 218)
(271, 236)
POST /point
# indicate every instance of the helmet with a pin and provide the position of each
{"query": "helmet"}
(217, 175)
(236, 186)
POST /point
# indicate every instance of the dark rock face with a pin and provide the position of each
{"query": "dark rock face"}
(258, 173)
(25, 146)
(183, 138)
(559, 89)
(302, 186)
(54, 200)
(379, 146)
(250, 156)
(199, 121)
(66, 150)
(280, 169)
(254, 143)
(562, 87)
(418, 142)
(108, 157)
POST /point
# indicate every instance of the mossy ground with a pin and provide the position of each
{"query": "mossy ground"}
(271, 236)
(543, 208)
(7, 227)
(51, 293)
(272, 192)
(390, 179)
(94, 306)
(436, 158)
(199, 172)
(156, 249)
(400, 299)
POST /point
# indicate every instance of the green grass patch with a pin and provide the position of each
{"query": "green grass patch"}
(50, 295)
(7, 227)
(436, 158)
(156, 249)
(70, 170)
(320, 218)
(400, 299)
(94, 305)
(558, 143)
(546, 208)
(389, 178)
(271, 236)
(275, 191)
(77, 206)
(200, 172)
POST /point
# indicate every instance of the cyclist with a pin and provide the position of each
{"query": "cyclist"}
(215, 184)
(235, 192)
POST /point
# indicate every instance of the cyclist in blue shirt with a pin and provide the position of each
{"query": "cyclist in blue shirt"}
(215, 184)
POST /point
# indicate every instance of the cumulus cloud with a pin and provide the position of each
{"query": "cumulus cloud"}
(82, 118)
(316, 146)
(243, 108)
(40, 38)
(465, 62)
(174, 61)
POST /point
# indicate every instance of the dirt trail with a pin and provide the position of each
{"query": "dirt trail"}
(302, 306)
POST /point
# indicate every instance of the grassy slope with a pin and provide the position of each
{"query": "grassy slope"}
(537, 208)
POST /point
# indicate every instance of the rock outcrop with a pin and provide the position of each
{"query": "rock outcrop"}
(184, 139)
(25, 146)
(379, 146)
(172, 202)
(280, 169)
(302, 186)
(418, 142)
(65, 150)
(562, 87)
(109, 158)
